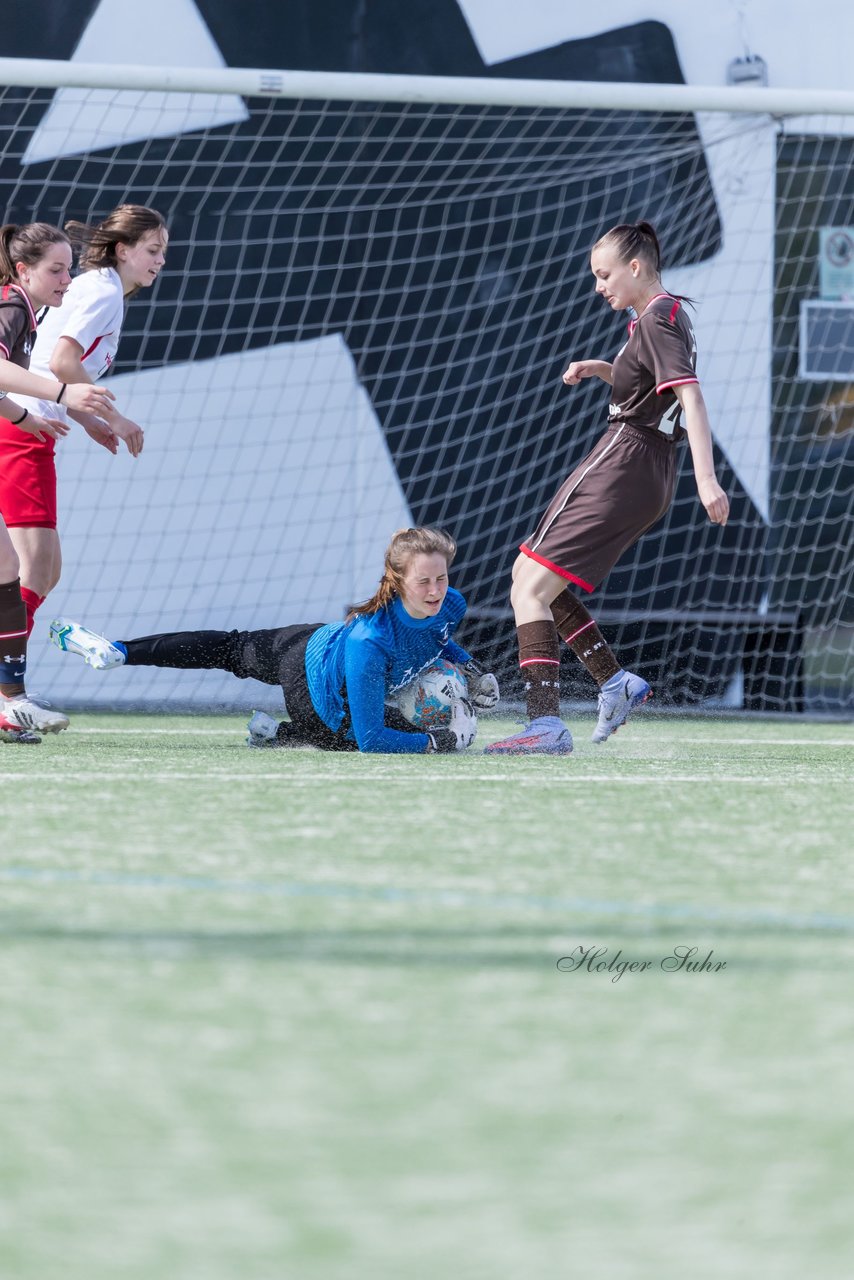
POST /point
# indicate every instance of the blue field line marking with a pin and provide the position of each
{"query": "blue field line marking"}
(653, 911)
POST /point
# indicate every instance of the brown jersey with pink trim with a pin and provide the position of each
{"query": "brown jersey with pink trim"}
(660, 354)
(17, 326)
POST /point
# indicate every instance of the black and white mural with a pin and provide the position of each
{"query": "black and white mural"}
(367, 372)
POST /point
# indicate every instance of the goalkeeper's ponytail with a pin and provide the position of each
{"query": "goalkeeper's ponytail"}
(405, 544)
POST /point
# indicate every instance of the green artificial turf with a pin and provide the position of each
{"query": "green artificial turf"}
(290, 1014)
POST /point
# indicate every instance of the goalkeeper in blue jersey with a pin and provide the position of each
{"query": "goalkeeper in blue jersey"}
(337, 677)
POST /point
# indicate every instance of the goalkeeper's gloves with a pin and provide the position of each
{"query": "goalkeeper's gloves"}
(461, 731)
(483, 686)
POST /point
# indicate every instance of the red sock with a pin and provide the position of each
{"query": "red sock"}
(31, 603)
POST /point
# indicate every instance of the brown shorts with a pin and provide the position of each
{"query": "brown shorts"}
(623, 486)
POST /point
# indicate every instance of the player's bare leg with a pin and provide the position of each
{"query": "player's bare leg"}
(20, 716)
(40, 557)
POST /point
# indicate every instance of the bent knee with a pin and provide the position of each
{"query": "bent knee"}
(522, 579)
(527, 581)
(534, 585)
(519, 566)
(40, 582)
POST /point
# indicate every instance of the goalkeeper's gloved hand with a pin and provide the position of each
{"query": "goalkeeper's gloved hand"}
(483, 686)
(460, 733)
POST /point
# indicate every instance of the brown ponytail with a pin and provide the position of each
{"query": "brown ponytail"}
(637, 240)
(27, 244)
(125, 225)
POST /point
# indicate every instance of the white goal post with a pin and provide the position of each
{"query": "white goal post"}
(332, 86)
(389, 272)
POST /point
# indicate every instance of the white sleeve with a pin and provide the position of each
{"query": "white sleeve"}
(86, 316)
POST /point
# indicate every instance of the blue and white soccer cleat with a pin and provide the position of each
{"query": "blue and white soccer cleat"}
(617, 697)
(544, 736)
(263, 731)
(97, 651)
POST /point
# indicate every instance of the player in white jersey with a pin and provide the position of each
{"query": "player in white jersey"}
(35, 262)
(120, 256)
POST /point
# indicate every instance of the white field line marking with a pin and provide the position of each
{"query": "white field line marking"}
(311, 779)
(151, 733)
(677, 741)
(753, 742)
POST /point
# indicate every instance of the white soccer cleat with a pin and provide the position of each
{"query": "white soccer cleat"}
(11, 733)
(263, 731)
(620, 695)
(32, 715)
(97, 651)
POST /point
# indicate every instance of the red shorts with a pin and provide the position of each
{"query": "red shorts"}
(27, 479)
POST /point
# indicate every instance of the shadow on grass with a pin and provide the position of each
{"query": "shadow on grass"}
(536, 948)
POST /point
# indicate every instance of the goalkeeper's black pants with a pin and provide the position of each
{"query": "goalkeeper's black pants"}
(274, 656)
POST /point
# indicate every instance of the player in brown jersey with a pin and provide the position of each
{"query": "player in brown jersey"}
(622, 488)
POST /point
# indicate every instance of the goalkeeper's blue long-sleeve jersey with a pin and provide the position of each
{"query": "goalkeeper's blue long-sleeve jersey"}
(354, 667)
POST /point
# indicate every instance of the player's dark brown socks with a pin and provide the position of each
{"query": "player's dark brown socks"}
(584, 638)
(539, 661)
(13, 639)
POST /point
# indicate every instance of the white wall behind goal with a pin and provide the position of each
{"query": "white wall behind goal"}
(265, 495)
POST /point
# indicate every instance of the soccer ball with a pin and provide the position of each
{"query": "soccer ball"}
(426, 701)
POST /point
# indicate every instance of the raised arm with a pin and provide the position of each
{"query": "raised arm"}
(66, 364)
(19, 381)
(98, 429)
(580, 369)
(66, 361)
(699, 432)
(26, 420)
